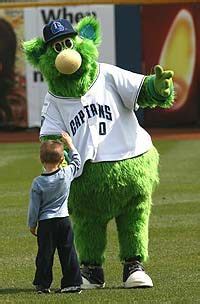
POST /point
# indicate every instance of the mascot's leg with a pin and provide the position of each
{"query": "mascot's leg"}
(133, 220)
(91, 233)
(132, 227)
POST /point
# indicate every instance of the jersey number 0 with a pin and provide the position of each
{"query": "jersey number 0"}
(102, 128)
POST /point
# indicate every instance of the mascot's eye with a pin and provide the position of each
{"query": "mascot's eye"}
(68, 43)
(57, 47)
(60, 45)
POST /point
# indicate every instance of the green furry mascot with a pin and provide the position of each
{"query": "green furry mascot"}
(96, 103)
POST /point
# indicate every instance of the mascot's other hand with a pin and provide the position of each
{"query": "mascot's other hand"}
(163, 81)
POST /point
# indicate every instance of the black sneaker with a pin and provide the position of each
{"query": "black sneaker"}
(92, 276)
(135, 276)
(40, 289)
(70, 289)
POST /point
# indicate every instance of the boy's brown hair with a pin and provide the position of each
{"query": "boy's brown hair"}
(51, 151)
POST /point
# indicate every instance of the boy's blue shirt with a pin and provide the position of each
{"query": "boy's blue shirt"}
(49, 192)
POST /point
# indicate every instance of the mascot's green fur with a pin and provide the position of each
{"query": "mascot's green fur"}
(119, 189)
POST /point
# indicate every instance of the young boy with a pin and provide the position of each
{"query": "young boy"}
(48, 217)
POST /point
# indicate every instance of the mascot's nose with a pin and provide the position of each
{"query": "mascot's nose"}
(68, 61)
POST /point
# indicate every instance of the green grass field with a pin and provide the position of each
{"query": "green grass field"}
(174, 233)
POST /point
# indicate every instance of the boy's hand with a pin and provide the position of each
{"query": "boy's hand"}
(67, 140)
(33, 230)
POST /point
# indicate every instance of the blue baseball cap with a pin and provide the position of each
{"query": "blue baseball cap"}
(57, 28)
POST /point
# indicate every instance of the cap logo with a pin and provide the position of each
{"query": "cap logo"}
(57, 27)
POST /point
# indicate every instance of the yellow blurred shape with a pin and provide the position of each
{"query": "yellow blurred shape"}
(179, 54)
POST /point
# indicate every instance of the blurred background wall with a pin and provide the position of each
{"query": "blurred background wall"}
(136, 36)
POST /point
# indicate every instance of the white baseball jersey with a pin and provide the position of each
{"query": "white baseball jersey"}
(102, 123)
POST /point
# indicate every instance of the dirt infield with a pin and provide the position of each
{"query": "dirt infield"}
(19, 136)
(175, 133)
(156, 133)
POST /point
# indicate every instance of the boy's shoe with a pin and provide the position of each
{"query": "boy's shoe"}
(71, 289)
(134, 276)
(92, 276)
(40, 289)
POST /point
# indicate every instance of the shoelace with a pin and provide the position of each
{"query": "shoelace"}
(86, 270)
(90, 273)
(135, 267)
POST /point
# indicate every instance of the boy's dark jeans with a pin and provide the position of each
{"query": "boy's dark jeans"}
(57, 234)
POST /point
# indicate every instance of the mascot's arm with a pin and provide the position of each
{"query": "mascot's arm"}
(50, 137)
(157, 89)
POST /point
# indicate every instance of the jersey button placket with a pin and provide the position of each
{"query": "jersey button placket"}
(92, 123)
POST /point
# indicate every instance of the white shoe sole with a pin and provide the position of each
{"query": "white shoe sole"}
(87, 285)
(138, 279)
(71, 289)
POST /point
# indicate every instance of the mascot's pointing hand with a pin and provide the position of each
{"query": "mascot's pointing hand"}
(163, 81)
